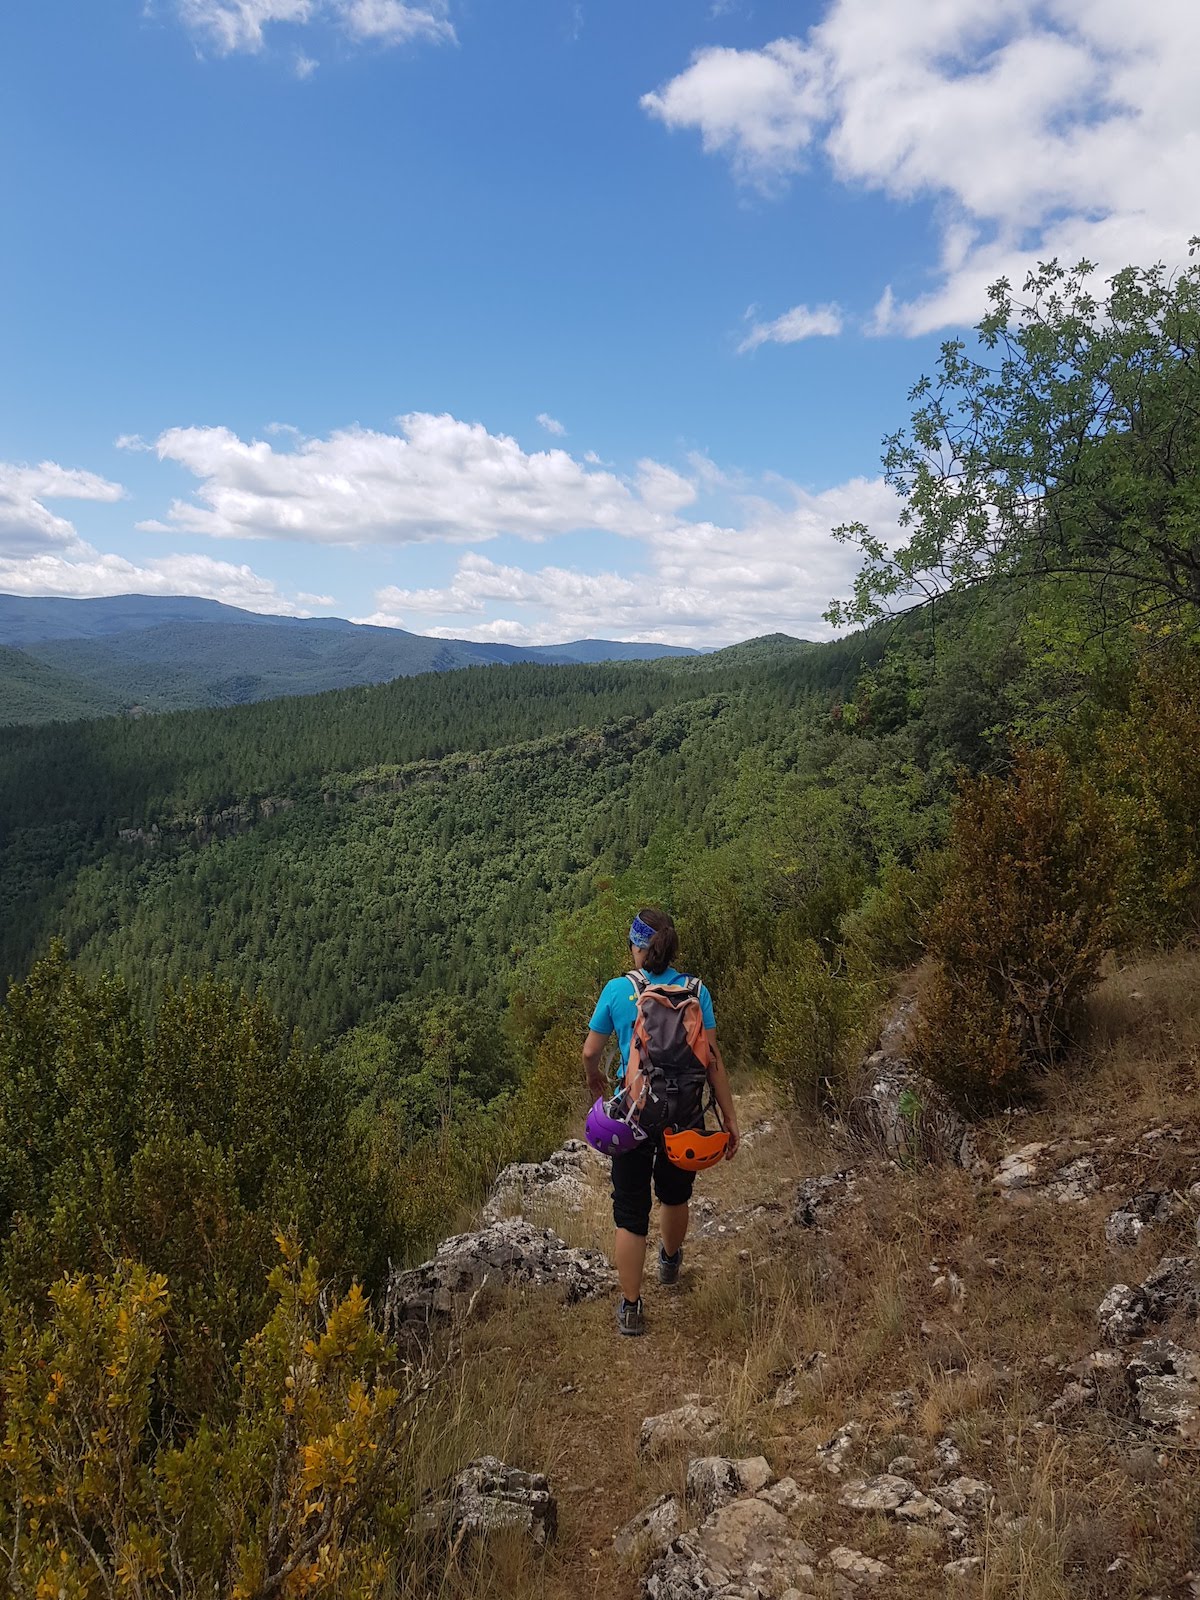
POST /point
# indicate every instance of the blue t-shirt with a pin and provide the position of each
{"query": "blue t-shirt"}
(616, 1009)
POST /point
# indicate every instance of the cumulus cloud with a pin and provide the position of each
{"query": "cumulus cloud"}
(231, 26)
(87, 573)
(1037, 127)
(801, 322)
(703, 583)
(27, 525)
(551, 424)
(43, 553)
(436, 479)
(759, 107)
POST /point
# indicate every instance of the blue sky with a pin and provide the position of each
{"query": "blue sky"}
(320, 266)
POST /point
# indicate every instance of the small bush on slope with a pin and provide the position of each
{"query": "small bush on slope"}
(1020, 932)
(300, 1492)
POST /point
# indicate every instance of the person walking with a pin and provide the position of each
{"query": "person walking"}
(667, 1158)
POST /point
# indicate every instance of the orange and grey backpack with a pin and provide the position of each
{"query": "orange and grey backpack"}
(666, 1078)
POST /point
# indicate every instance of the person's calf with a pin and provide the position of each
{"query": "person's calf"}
(630, 1260)
(674, 1223)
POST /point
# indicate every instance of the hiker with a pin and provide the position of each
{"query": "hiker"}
(654, 1129)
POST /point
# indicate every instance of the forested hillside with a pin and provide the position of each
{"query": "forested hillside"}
(142, 653)
(338, 851)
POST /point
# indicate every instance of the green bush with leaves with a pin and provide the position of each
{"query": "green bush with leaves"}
(814, 1012)
(1018, 937)
(300, 1491)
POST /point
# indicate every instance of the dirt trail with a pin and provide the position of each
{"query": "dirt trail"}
(579, 1391)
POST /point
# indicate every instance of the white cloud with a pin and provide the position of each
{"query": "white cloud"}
(42, 553)
(88, 573)
(702, 583)
(760, 107)
(436, 479)
(27, 525)
(231, 26)
(801, 322)
(391, 22)
(1036, 127)
(551, 424)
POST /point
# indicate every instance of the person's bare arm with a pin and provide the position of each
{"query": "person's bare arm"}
(593, 1057)
(719, 1079)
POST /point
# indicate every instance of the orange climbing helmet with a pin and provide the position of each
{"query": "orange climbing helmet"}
(693, 1149)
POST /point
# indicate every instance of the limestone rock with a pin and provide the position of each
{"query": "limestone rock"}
(858, 1567)
(714, 1480)
(1126, 1225)
(1166, 1379)
(1074, 1182)
(887, 1493)
(964, 1567)
(964, 1495)
(687, 1425)
(1121, 1315)
(1019, 1168)
(818, 1200)
(488, 1497)
(787, 1495)
(1173, 1286)
(744, 1551)
(754, 1541)
(559, 1180)
(890, 1494)
(511, 1251)
(833, 1452)
(649, 1533)
(905, 1115)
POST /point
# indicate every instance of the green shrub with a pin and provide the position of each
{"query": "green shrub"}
(301, 1491)
(1019, 934)
(814, 1013)
(1149, 764)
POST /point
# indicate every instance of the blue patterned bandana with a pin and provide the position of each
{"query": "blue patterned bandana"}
(640, 934)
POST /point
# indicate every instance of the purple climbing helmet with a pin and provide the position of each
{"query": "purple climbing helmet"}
(608, 1131)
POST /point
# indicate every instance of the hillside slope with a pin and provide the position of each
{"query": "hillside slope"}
(33, 691)
(889, 1328)
(151, 653)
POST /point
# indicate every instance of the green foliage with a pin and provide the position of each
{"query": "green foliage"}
(185, 1148)
(814, 1013)
(1148, 761)
(1018, 937)
(1071, 448)
(301, 1491)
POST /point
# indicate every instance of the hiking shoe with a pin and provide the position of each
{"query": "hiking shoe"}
(630, 1320)
(668, 1266)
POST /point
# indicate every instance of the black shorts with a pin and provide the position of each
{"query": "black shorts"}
(631, 1176)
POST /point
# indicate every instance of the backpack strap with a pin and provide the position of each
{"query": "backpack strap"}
(638, 979)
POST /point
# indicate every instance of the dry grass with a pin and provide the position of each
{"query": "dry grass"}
(930, 1283)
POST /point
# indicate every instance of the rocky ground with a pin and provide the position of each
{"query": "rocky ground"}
(970, 1370)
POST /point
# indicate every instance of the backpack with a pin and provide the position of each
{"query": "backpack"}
(667, 1075)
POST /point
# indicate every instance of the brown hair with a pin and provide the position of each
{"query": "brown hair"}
(664, 946)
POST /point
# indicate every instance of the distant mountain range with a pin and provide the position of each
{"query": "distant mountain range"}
(63, 659)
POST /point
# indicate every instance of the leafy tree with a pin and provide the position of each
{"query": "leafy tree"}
(1071, 449)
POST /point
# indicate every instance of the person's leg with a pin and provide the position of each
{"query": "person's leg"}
(673, 1187)
(631, 1215)
(674, 1222)
(631, 1262)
